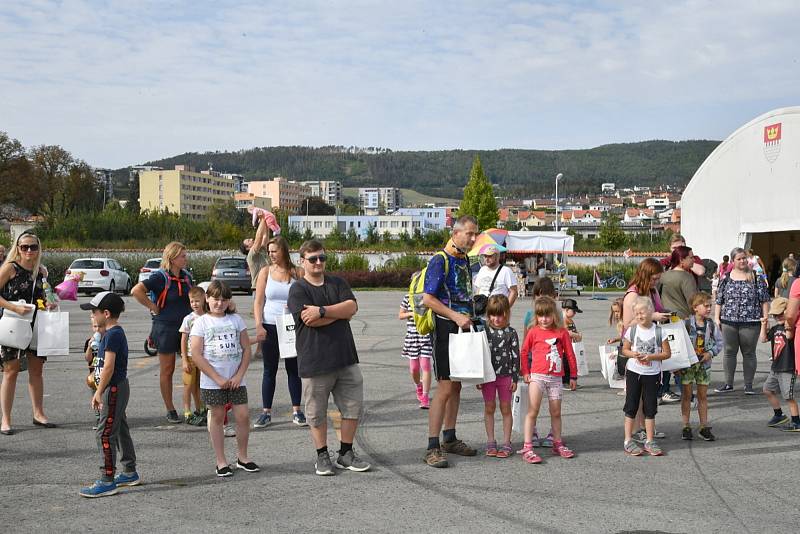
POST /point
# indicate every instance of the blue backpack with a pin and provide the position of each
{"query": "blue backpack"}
(161, 298)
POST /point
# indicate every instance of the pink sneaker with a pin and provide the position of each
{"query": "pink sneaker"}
(425, 402)
(559, 449)
(419, 392)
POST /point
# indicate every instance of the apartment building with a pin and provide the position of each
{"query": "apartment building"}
(328, 190)
(322, 225)
(430, 218)
(373, 199)
(284, 194)
(183, 191)
(245, 200)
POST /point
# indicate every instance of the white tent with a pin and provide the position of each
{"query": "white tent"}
(746, 192)
(539, 242)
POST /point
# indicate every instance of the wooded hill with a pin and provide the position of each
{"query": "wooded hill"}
(444, 173)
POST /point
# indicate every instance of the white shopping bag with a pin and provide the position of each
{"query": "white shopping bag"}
(519, 407)
(51, 333)
(580, 357)
(284, 324)
(608, 366)
(680, 345)
(470, 358)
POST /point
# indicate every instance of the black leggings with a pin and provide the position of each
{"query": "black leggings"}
(641, 387)
(272, 357)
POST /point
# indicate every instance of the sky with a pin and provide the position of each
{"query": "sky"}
(119, 83)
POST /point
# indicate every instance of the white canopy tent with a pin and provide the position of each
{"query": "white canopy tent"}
(521, 242)
(746, 192)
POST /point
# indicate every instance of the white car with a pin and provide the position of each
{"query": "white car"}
(100, 274)
(153, 264)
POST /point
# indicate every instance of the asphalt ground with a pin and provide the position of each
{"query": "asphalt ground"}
(746, 481)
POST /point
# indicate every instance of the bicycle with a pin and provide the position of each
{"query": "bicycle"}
(615, 280)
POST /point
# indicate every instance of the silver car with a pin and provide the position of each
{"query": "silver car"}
(233, 270)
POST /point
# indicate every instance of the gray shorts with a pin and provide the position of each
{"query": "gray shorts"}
(347, 386)
(782, 383)
(221, 397)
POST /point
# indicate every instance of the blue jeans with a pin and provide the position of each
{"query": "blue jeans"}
(272, 357)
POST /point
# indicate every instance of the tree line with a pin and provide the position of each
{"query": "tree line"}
(517, 172)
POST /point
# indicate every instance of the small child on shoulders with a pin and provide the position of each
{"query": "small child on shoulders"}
(782, 375)
(707, 341)
(547, 343)
(504, 347)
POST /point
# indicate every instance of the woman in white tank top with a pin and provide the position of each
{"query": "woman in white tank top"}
(272, 292)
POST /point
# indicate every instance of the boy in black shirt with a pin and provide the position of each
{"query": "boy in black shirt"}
(111, 397)
(782, 373)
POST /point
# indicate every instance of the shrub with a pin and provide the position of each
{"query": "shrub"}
(407, 261)
(397, 279)
(354, 262)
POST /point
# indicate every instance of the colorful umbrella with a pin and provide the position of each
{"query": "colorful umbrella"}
(484, 240)
(498, 234)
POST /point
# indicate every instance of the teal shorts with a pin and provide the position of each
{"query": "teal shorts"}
(696, 374)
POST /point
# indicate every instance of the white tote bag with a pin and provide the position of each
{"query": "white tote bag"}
(580, 357)
(16, 330)
(519, 407)
(286, 335)
(470, 358)
(51, 333)
(608, 366)
(680, 345)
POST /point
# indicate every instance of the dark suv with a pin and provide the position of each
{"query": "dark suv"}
(234, 272)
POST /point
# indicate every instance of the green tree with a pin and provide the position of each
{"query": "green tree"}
(611, 236)
(372, 235)
(316, 206)
(479, 198)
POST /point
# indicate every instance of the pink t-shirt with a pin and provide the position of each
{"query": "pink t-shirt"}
(794, 293)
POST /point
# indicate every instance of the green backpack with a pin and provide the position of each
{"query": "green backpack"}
(423, 316)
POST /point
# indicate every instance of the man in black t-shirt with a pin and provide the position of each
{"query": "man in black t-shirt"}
(327, 361)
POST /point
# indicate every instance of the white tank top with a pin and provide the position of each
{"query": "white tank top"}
(275, 297)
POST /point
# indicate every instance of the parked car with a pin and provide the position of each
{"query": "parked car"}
(233, 270)
(101, 274)
(153, 264)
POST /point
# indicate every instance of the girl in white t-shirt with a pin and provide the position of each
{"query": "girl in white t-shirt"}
(646, 348)
(221, 350)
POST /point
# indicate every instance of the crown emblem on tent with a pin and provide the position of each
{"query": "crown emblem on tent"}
(772, 141)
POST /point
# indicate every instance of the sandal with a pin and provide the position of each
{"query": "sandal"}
(559, 449)
(491, 448)
(505, 451)
(531, 457)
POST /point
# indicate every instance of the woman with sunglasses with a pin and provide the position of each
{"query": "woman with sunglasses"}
(17, 282)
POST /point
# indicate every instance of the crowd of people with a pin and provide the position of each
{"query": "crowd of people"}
(201, 326)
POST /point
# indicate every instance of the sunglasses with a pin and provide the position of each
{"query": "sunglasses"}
(29, 248)
(314, 259)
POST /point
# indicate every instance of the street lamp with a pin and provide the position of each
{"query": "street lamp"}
(558, 177)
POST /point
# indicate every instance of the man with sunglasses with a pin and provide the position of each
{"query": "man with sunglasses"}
(327, 361)
(448, 292)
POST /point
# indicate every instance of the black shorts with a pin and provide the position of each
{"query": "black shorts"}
(221, 397)
(441, 347)
(166, 337)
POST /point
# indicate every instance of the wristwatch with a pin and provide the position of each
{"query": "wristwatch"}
(321, 312)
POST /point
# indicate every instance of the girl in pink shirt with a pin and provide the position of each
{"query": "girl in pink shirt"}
(542, 368)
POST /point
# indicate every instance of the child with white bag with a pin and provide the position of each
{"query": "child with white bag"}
(547, 344)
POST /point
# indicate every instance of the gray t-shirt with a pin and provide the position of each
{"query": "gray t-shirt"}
(677, 289)
(256, 261)
(328, 348)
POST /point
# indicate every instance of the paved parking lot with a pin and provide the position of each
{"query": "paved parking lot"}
(746, 481)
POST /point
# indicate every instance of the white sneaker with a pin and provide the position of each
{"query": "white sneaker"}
(230, 431)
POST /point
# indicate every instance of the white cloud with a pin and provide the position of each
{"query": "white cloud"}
(123, 82)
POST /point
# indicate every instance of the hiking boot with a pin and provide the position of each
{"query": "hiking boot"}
(632, 448)
(299, 418)
(725, 388)
(127, 479)
(791, 427)
(173, 417)
(706, 434)
(324, 466)
(100, 488)
(652, 448)
(458, 447)
(264, 420)
(778, 420)
(687, 433)
(352, 462)
(435, 458)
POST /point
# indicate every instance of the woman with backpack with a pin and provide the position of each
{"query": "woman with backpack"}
(166, 294)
